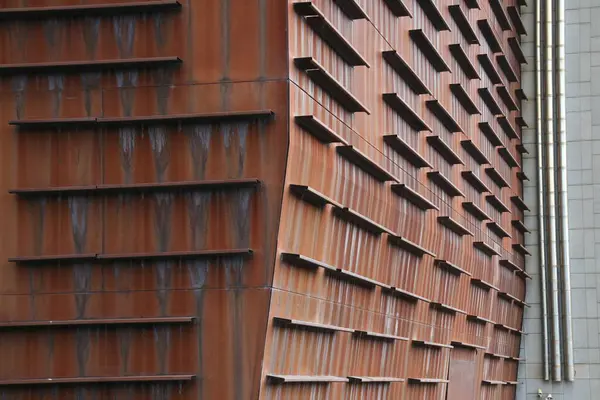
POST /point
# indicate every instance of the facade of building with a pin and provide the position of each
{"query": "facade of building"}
(243, 199)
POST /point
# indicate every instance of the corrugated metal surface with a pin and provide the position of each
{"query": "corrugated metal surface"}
(443, 304)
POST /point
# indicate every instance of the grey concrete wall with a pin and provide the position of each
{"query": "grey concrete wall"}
(583, 149)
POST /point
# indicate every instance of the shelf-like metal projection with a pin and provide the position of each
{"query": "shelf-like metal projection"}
(136, 188)
(426, 343)
(489, 68)
(509, 72)
(507, 99)
(374, 379)
(475, 211)
(96, 322)
(521, 95)
(413, 196)
(363, 162)
(405, 112)
(91, 380)
(329, 33)
(519, 248)
(489, 101)
(452, 268)
(497, 203)
(409, 246)
(485, 248)
(426, 381)
(520, 226)
(471, 148)
(519, 202)
(302, 261)
(330, 85)
(500, 13)
(447, 308)
(309, 325)
(445, 184)
(443, 115)
(88, 10)
(69, 67)
(407, 295)
(173, 119)
(429, 50)
(490, 134)
(522, 123)
(406, 151)
(508, 157)
(472, 3)
(318, 129)
(454, 226)
(483, 284)
(489, 35)
(498, 230)
(353, 217)
(464, 98)
(306, 379)
(401, 67)
(476, 182)
(507, 127)
(312, 196)
(398, 8)
(434, 14)
(467, 345)
(464, 61)
(463, 24)
(378, 336)
(352, 9)
(496, 177)
(522, 176)
(515, 46)
(478, 319)
(444, 150)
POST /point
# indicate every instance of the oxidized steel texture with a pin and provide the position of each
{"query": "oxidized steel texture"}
(315, 295)
(233, 60)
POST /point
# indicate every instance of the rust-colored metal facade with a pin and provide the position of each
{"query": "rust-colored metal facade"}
(240, 199)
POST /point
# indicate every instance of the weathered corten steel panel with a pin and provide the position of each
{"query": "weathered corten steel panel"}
(324, 193)
(100, 247)
(400, 210)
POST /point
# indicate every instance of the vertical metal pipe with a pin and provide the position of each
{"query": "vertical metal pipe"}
(563, 198)
(540, 186)
(550, 178)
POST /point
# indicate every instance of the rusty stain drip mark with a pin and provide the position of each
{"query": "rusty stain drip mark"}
(124, 30)
(126, 82)
(78, 207)
(239, 130)
(163, 271)
(89, 81)
(52, 29)
(124, 339)
(198, 206)
(198, 272)
(233, 279)
(159, 142)
(199, 140)
(163, 209)
(18, 33)
(56, 85)
(91, 28)
(241, 217)
(82, 275)
(127, 142)
(82, 338)
(162, 338)
(50, 358)
(163, 79)
(18, 85)
(159, 31)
